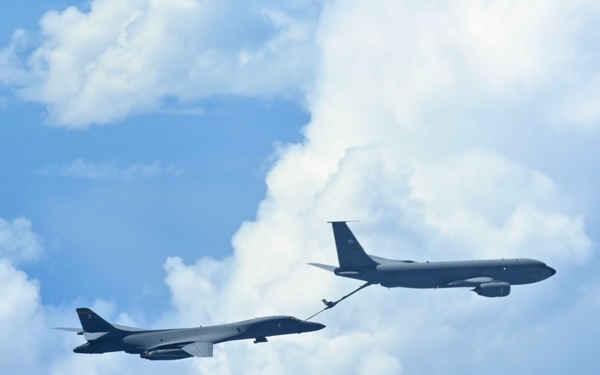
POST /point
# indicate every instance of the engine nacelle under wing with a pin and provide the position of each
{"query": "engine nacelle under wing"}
(495, 289)
(165, 354)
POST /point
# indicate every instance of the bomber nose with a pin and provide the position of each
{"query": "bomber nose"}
(313, 326)
(552, 270)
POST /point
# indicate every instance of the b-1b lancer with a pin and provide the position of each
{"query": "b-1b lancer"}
(170, 344)
(488, 278)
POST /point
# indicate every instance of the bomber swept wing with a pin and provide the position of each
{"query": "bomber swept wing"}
(199, 349)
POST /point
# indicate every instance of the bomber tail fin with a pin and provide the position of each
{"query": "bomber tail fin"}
(92, 322)
(350, 252)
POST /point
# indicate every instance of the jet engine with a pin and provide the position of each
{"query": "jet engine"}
(165, 354)
(497, 289)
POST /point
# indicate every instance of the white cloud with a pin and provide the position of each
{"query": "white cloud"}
(410, 119)
(80, 168)
(492, 206)
(18, 242)
(581, 104)
(122, 58)
(19, 317)
(411, 115)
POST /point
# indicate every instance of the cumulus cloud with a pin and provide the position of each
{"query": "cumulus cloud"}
(18, 242)
(412, 122)
(80, 168)
(492, 206)
(100, 65)
(413, 114)
(21, 319)
(118, 58)
(21, 315)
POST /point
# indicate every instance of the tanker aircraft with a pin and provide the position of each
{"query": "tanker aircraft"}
(488, 278)
(170, 344)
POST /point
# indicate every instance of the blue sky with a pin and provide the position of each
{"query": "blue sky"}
(174, 163)
(211, 162)
(208, 177)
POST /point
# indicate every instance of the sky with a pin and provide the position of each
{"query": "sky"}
(175, 163)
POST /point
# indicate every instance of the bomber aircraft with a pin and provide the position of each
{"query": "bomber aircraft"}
(170, 344)
(488, 278)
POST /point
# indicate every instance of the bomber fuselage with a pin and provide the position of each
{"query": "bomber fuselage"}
(140, 341)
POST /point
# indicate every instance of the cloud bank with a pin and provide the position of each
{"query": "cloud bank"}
(417, 114)
(18, 242)
(117, 59)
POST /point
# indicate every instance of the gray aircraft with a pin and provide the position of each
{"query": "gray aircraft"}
(488, 278)
(170, 344)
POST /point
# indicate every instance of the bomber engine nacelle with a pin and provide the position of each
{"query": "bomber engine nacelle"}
(499, 289)
(165, 354)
